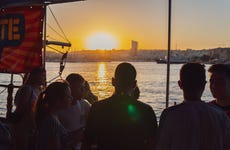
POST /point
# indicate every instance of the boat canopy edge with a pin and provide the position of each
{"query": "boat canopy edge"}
(12, 3)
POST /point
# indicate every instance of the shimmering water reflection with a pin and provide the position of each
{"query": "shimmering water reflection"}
(151, 81)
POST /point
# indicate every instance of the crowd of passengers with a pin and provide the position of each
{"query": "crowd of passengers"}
(66, 115)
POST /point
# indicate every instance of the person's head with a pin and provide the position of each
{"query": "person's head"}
(88, 95)
(220, 81)
(56, 96)
(124, 78)
(37, 76)
(77, 85)
(192, 79)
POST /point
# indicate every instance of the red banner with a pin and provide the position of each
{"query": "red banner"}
(21, 38)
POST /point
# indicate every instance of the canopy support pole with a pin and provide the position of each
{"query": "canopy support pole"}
(44, 36)
(44, 39)
(10, 89)
(168, 54)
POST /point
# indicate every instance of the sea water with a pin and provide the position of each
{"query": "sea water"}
(151, 79)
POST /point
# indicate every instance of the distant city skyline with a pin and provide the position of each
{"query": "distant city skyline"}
(102, 24)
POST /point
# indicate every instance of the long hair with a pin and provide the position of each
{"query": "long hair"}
(47, 99)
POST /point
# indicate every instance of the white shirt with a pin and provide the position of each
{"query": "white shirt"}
(193, 125)
(74, 117)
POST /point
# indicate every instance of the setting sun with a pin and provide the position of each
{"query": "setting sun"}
(101, 40)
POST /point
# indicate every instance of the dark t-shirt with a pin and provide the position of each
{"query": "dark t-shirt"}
(121, 123)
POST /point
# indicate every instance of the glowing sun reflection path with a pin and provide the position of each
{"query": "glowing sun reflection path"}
(103, 81)
(101, 71)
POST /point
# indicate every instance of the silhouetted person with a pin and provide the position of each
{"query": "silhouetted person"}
(220, 86)
(75, 115)
(88, 95)
(120, 122)
(52, 135)
(25, 102)
(5, 138)
(193, 124)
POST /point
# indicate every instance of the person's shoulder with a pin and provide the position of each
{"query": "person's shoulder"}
(214, 109)
(24, 91)
(142, 104)
(171, 112)
(215, 112)
(100, 107)
(84, 102)
(219, 114)
(22, 94)
(172, 109)
(102, 102)
(24, 88)
(144, 108)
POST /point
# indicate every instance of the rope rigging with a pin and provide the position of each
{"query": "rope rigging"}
(51, 37)
(58, 24)
(64, 37)
(3, 90)
(56, 32)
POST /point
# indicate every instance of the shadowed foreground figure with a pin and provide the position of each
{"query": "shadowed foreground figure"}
(88, 95)
(24, 114)
(193, 124)
(120, 122)
(220, 86)
(52, 135)
(5, 138)
(75, 115)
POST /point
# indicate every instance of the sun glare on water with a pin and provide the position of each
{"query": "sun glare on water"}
(101, 41)
(101, 70)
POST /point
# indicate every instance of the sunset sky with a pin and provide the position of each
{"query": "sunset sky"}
(106, 24)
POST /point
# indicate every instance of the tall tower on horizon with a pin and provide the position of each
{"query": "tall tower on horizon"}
(134, 47)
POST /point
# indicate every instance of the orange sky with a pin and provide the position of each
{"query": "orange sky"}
(195, 24)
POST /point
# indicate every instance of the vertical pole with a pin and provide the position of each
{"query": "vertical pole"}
(44, 36)
(9, 105)
(168, 55)
(44, 39)
(11, 78)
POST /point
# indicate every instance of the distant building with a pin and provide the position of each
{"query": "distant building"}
(221, 55)
(134, 47)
